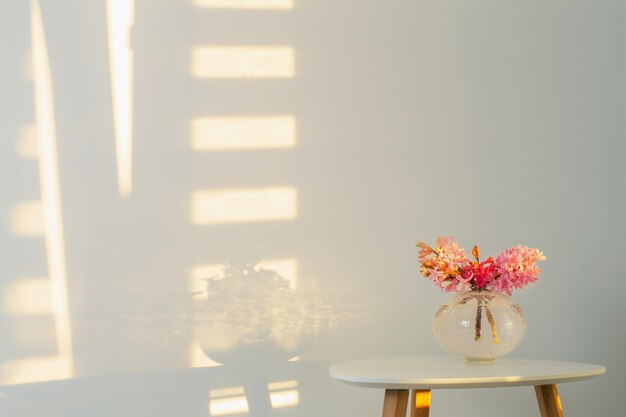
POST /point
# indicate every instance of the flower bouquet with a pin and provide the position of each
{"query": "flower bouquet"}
(488, 283)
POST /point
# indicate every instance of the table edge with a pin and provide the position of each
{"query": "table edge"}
(480, 382)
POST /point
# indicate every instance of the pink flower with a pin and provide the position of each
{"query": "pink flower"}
(517, 268)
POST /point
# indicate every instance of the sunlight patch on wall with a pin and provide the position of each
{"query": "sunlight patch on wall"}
(50, 190)
(284, 394)
(39, 369)
(243, 62)
(245, 4)
(27, 146)
(27, 297)
(226, 401)
(199, 276)
(27, 218)
(120, 18)
(243, 205)
(240, 133)
(286, 268)
(199, 359)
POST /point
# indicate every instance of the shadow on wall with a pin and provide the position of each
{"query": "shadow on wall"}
(290, 389)
(126, 231)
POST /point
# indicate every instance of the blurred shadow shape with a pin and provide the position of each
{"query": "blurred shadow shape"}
(250, 313)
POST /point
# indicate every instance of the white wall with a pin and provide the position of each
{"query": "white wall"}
(497, 122)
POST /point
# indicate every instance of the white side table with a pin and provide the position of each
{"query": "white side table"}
(420, 374)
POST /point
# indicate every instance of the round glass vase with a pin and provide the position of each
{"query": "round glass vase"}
(479, 325)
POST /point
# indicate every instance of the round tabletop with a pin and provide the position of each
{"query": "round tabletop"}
(427, 372)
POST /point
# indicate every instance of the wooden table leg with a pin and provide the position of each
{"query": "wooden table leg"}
(549, 401)
(395, 402)
(420, 402)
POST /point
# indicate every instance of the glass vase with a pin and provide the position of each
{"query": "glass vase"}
(479, 325)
